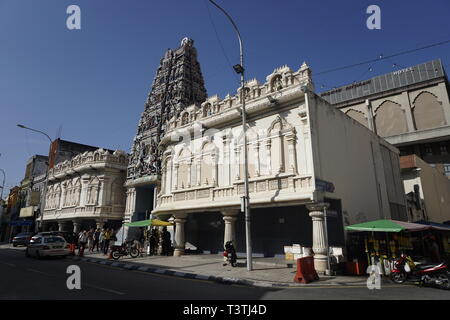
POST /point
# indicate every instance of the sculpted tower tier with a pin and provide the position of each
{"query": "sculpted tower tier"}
(178, 84)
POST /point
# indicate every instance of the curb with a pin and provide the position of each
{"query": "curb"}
(230, 281)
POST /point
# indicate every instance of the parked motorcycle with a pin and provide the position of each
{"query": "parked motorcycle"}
(406, 270)
(124, 250)
(230, 254)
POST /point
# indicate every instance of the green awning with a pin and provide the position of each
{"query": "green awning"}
(149, 222)
(386, 226)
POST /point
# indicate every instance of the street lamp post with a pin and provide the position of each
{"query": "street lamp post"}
(44, 191)
(3, 184)
(239, 68)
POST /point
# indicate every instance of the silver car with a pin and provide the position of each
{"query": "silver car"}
(45, 246)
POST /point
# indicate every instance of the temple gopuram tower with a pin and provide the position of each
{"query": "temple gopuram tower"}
(178, 84)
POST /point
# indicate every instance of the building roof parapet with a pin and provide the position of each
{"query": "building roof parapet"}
(118, 157)
(280, 80)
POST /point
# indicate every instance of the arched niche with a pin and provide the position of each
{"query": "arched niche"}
(428, 112)
(390, 119)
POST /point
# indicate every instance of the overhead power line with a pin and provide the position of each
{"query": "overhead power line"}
(384, 57)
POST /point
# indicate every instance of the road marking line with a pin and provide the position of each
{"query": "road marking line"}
(104, 289)
(8, 264)
(37, 271)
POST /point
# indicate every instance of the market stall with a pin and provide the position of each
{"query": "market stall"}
(380, 242)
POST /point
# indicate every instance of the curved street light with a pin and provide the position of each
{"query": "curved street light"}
(239, 68)
(44, 191)
(3, 184)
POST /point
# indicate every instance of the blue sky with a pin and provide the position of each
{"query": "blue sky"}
(93, 82)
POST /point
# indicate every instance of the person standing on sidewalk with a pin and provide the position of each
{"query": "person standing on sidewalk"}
(108, 235)
(153, 242)
(91, 240)
(96, 239)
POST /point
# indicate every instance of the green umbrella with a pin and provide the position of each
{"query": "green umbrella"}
(149, 222)
(386, 226)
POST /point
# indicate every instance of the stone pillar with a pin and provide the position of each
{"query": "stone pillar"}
(76, 227)
(175, 175)
(257, 165)
(237, 161)
(291, 140)
(406, 106)
(230, 217)
(319, 237)
(226, 160)
(189, 173)
(99, 223)
(268, 157)
(214, 181)
(61, 226)
(180, 220)
(370, 119)
(198, 174)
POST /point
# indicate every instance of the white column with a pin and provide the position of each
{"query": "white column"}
(268, 157)
(63, 195)
(237, 166)
(189, 173)
(175, 175)
(291, 140)
(61, 226)
(257, 166)
(198, 175)
(180, 220)
(214, 170)
(99, 223)
(76, 227)
(226, 161)
(319, 238)
(230, 217)
(84, 190)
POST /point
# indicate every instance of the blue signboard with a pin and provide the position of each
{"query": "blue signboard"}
(324, 186)
(21, 223)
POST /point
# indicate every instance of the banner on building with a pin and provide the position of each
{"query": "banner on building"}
(35, 198)
(27, 212)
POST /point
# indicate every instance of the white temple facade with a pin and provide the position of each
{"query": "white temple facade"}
(303, 156)
(86, 191)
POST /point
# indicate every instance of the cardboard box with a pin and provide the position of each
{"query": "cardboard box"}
(289, 256)
(296, 248)
(287, 249)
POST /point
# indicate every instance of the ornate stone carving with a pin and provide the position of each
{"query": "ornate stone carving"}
(178, 83)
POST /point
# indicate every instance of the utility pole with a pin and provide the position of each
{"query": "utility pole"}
(42, 202)
(239, 68)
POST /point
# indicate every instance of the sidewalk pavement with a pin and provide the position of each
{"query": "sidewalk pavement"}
(267, 272)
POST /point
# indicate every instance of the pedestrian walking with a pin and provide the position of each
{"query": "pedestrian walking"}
(91, 240)
(83, 238)
(96, 239)
(107, 239)
(166, 242)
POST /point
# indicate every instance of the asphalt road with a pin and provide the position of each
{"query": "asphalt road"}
(28, 278)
